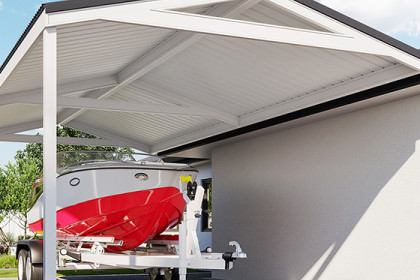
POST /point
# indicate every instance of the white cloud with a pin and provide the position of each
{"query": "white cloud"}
(389, 16)
(1, 5)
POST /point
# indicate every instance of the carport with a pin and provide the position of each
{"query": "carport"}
(168, 76)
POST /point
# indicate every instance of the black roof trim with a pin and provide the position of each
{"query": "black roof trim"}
(183, 160)
(333, 104)
(61, 6)
(360, 26)
(22, 37)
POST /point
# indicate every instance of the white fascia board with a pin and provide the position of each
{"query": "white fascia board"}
(343, 38)
(378, 47)
(61, 140)
(225, 27)
(29, 41)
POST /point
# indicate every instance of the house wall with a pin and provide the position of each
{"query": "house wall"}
(204, 237)
(12, 225)
(335, 199)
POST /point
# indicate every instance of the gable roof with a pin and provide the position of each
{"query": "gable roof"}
(185, 85)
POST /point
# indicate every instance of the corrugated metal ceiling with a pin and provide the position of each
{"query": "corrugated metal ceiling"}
(263, 73)
(86, 51)
(241, 79)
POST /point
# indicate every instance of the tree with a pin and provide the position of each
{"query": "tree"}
(16, 180)
(3, 205)
(17, 187)
(35, 150)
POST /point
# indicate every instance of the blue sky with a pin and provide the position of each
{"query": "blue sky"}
(397, 18)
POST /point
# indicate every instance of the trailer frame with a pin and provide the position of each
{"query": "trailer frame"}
(157, 256)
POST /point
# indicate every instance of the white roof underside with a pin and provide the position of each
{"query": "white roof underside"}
(214, 83)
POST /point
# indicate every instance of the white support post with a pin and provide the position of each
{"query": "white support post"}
(182, 242)
(50, 144)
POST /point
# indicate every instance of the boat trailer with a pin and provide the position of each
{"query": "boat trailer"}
(163, 258)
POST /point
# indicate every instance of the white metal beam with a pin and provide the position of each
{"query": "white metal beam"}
(152, 14)
(68, 114)
(228, 27)
(62, 140)
(50, 151)
(168, 49)
(188, 102)
(21, 127)
(174, 45)
(87, 85)
(102, 132)
(71, 16)
(130, 107)
(63, 89)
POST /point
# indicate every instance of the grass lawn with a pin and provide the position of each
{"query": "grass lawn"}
(8, 273)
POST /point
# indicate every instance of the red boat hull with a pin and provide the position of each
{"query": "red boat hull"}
(131, 217)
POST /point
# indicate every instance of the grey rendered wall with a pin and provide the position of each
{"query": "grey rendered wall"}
(337, 199)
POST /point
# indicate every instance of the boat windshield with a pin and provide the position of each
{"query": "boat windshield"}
(74, 158)
(37, 190)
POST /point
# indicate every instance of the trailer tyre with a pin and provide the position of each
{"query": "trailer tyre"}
(165, 274)
(33, 271)
(160, 274)
(21, 265)
(175, 274)
(153, 273)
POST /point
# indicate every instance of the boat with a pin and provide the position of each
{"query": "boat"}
(131, 197)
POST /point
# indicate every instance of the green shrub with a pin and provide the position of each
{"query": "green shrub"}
(34, 237)
(7, 261)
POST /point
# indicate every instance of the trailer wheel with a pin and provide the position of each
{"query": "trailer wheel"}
(21, 265)
(160, 274)
(153, 273)
(33, 271)
(175, 274)
(164, 274)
